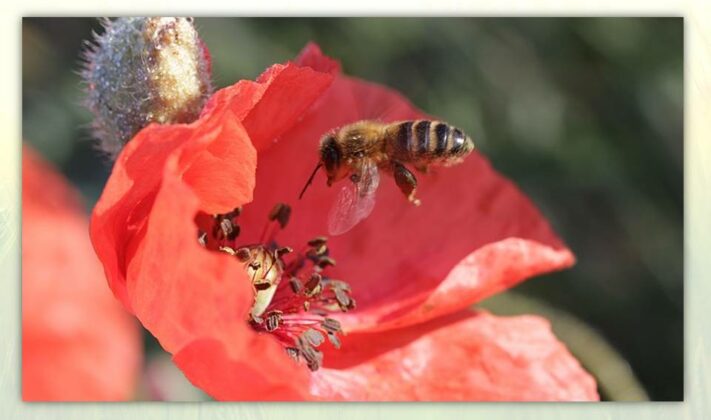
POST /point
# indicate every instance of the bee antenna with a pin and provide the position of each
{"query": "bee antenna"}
(311, 178)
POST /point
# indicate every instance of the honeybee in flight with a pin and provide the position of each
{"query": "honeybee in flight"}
(361, 150)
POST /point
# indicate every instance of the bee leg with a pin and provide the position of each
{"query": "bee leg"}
(422, 169)
(406, 181)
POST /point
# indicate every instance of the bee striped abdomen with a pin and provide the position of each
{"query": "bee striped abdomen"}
(422, 137)
(403, 139)
(459, 143)
(428, 141)
(441, 131)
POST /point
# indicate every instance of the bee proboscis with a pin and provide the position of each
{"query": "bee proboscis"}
(359, 151)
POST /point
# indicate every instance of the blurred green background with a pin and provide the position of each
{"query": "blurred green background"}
(584, 114)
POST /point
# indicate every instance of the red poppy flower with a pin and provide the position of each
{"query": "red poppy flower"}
(414, 271)
(78, 344)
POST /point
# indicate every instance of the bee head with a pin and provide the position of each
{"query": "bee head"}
(331, 158)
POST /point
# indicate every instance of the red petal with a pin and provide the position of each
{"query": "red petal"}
(218, 164)
(185, 294)
(196, 301)
(217, 160)
(272, 104)
(261, 373)
(119, 218)
(291, 93)
(474, 235)
(64, 357)
(400, 261)
(464, 357)
(177, 289)
(311, 56)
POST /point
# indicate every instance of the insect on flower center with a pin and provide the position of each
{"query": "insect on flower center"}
(293, 295)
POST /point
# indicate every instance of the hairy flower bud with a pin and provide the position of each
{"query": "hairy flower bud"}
(144, 70)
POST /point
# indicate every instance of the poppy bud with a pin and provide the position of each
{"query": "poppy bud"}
(143, 70)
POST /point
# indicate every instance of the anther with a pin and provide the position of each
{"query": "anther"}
(317, 252)
(317, 241)
(314, 337)
(325, 261)
(313, 285)
(333, 338)
(295, 284)
(283, 251)
(226, 227)
(331, 325)
(262, 286)
(280, 213)
(243, 254)
(313, 357)
(338, 284)
(227, 250)
(273, 320)
(344, 301)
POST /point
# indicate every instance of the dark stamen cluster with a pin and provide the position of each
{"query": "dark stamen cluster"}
(293, 294)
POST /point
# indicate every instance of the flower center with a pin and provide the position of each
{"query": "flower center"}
(293, 295)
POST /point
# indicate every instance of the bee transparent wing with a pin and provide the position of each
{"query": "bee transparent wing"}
(355, 201)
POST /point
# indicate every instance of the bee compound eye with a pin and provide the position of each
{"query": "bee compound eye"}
(331, 155)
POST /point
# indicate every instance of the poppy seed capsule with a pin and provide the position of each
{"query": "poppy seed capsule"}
(141, 71)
